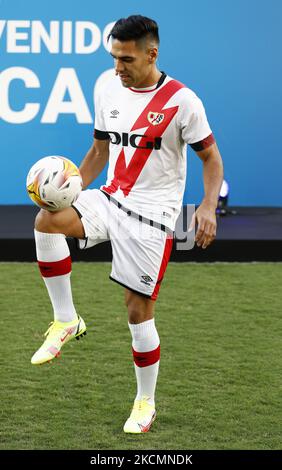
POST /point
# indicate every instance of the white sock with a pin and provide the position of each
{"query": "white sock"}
(54, 262)
(146, 354)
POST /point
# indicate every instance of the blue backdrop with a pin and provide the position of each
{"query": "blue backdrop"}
(229, 53)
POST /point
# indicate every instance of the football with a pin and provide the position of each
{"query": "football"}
(54, 183)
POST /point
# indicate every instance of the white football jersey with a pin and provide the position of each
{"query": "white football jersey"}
(149, 130)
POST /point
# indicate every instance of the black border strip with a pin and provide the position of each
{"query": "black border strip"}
(203, 144)
(130, 288)
(76, 239)
(161, 80)
(143, 458)
(101, 135)
(77, 211)
(139, 217)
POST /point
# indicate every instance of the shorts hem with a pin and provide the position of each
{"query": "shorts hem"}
(78, 243)
(76, 210)
(130, 288)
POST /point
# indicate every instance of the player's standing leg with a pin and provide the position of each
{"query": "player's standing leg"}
(146, 355)
(54, 262)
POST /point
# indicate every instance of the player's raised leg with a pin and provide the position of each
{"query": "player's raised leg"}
(146, 355)
(54, 262)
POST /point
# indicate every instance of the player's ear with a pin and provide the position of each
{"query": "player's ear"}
(153, 55)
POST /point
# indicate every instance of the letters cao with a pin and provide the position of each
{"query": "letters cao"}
(73, 38)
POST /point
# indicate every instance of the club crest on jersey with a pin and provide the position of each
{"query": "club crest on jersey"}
(155, 118)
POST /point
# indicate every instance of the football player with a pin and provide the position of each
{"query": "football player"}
(144, 120)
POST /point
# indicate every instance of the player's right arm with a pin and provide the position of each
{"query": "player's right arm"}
(94, 161)
(98, 155)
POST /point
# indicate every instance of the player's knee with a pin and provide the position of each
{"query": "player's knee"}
(133, 315)
(45, 222)
(139, 309)
(136, 314)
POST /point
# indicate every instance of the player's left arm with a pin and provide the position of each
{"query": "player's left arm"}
(205, 215)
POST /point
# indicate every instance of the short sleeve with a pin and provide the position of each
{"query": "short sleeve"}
(193, 120)
(100, 131)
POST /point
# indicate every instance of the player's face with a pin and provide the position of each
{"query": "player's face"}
(133, 62)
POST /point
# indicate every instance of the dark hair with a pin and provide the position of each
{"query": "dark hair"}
(135, 27)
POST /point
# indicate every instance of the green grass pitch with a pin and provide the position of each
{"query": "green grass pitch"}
(220, 375)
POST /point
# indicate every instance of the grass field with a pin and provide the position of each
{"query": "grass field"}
(220, 376)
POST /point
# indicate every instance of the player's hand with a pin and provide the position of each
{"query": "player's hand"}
(205, 219)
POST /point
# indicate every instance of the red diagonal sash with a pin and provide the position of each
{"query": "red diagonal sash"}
(126, 176)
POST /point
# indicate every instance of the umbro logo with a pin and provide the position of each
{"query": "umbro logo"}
(114, 113)
(146, 280)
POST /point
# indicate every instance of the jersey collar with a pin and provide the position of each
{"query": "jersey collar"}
(150, 88)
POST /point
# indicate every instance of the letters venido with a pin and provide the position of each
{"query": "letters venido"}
(125, 139)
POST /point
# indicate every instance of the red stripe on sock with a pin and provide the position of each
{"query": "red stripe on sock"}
(145, 359)
(55, 268)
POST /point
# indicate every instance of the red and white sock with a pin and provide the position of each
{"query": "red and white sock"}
(146, 355)
(54, 262)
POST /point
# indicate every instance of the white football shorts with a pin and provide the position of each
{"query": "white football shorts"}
(141, 248)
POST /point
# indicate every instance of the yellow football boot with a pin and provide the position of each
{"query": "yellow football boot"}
(142, 416)
(58, 334)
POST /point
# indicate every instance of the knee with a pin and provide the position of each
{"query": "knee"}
(135, 315)
(45, 222)
(138, 312)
